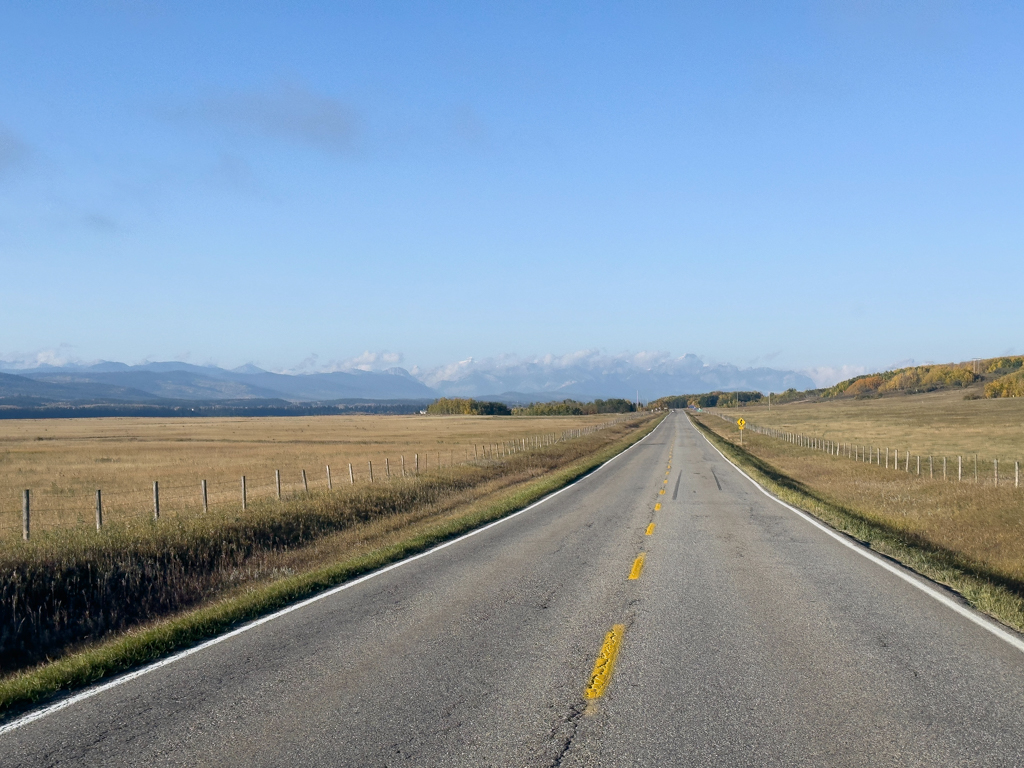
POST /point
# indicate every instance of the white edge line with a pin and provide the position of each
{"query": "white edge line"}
(88, 693)
(980, 619)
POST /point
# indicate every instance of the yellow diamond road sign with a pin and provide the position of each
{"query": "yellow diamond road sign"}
(742, 423)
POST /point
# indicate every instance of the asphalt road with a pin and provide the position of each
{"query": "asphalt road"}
(750, 638)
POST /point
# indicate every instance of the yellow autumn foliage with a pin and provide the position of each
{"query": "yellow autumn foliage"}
(1010, 385)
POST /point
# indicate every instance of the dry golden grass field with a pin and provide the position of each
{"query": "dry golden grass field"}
(74, 586)
(64, 461)
(936, 423)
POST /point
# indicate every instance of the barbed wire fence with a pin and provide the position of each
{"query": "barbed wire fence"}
(959, 468)
(53, 508)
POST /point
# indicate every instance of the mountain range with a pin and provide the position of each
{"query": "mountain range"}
(583, 376)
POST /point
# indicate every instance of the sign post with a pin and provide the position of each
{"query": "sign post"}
(741, 423)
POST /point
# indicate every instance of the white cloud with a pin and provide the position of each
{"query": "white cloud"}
(584, 362)
(826, 375)
(367, 361)
(56, 357)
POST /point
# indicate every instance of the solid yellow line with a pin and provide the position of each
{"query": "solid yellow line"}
(602, 673)
(638, 566)
(650, 529)
(657, 506)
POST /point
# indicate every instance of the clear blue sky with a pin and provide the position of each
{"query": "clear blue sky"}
(792, 184)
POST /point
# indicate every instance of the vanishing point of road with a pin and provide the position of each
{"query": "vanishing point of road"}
(662, 611)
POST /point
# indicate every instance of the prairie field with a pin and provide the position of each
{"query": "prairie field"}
(75, 585)
(64, 461)
(940, 423)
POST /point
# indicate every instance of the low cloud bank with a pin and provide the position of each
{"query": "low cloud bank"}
(585, 374)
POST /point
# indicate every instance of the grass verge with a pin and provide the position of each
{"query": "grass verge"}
(992, 593)
(140, 646)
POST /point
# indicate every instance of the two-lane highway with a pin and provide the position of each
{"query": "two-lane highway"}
(662, 611)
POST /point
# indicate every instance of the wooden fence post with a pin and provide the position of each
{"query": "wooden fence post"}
(387, 468)
(351, 475)
(403, 465)
(26, 514)
(206, 499)
(370, 465)
(959, 469)
(417, 463)
(99, 509)
(330, 486)
(305, 483)
(244, 499)
(1016, 474)
(277, 479)
(995, 472)
(156, 500)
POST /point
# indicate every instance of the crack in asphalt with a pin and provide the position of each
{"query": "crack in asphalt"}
(571, 720)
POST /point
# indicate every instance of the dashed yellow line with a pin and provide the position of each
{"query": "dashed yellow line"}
(662, 492)
(657, 507)
(638, 566)
(650, 529)
(605, 663)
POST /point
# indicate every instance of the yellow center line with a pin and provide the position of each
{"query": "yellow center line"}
(638, 566)
(665, 481)
(662, 491)
(650, 529)
(602, 673)
(657, 507)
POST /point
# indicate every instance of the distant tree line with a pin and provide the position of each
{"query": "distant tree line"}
(1003, 377)
(709, 400)
(24, 408)
(466, 406)
(576, 408)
